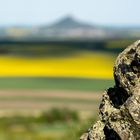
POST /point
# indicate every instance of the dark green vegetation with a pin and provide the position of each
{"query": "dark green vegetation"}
(56, 83)
(61, 48)
(46, 117)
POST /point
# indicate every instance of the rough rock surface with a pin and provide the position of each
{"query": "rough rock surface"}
(119, 110)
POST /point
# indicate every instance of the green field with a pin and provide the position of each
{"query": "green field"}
(56, 83)
(24, 99)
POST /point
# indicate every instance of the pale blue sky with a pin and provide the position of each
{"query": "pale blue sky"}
(37, 12)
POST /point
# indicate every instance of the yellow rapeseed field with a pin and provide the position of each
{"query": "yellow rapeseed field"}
(83, 64)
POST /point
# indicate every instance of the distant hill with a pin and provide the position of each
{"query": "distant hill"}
(69, 22)
(68, 28)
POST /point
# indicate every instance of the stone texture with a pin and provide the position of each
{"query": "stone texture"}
(119, 110)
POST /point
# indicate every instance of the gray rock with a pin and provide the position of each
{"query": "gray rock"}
(119, 110)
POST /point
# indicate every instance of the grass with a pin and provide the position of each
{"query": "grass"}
(38, 128)
(120, 44)
(41, 133)
(50, 131)
(19, 128)
(48, 99)
(55, 83)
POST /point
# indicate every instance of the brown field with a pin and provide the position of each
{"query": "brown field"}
(50, 93)
(34, 101)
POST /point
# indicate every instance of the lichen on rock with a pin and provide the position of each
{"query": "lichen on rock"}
(119, 110)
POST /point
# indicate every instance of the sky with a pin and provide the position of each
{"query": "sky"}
(40, 12)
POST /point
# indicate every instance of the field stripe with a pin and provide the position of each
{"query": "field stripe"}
(50, 94)
(28, 105)
(82, 64)
(47, 99)
(46, 83)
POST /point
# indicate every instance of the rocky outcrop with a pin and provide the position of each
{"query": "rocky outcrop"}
(119, 110)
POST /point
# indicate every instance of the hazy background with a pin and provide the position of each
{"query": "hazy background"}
(109, 12)
(56, 59)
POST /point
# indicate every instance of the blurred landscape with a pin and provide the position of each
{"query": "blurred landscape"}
(52, 76)
(68, 28)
